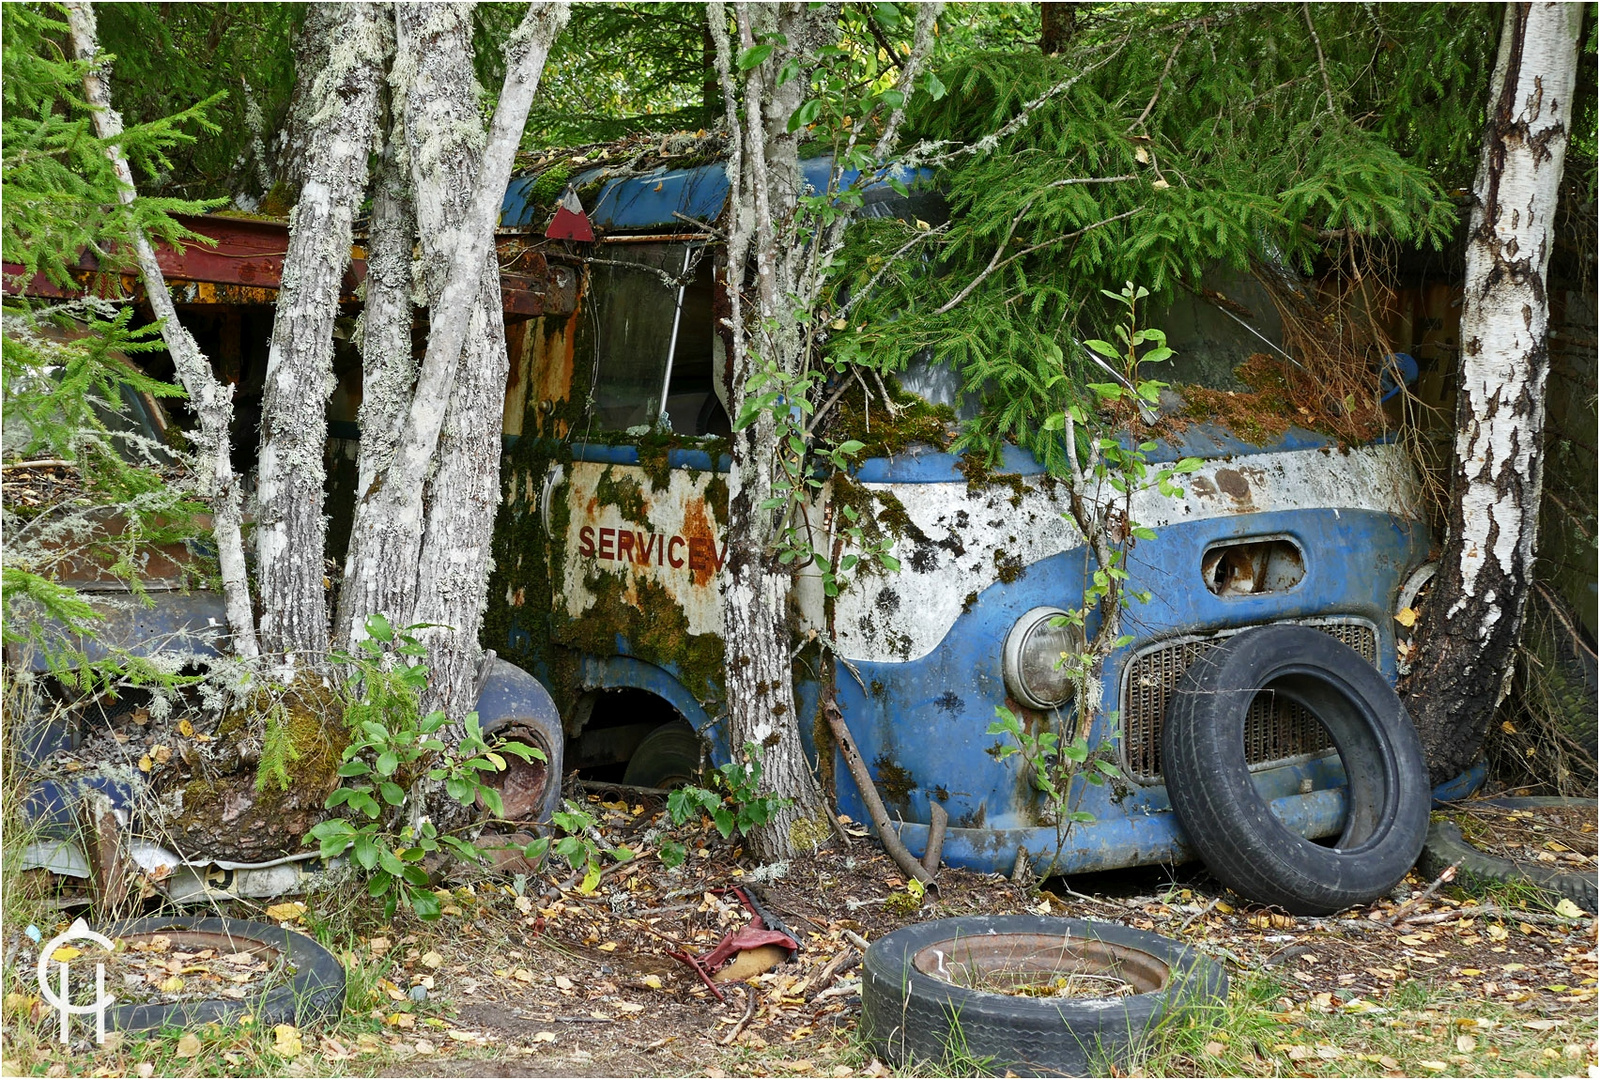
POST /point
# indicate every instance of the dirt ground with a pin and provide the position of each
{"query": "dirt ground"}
(574, 985)
(528, 976)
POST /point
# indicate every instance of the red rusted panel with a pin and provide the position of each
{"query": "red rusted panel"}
(249, 254)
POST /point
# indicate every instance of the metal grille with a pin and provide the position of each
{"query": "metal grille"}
(1273, 731)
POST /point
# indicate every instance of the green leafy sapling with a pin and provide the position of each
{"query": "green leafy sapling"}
(392, 750)
(735, 803)
(1104, 476)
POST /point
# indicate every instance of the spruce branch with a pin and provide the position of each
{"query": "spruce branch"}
(997, 263)
(1322, 61)
(213, 401)
(1151, 104)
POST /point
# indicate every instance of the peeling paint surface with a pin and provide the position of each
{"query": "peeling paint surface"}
(669, 539)
(971, 540)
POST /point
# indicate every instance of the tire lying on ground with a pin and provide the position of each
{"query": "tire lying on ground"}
(314, 994)
(1227, 821)
(1477, 870)
(932, 993)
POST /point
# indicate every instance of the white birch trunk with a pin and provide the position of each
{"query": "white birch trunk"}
(404, 521)
(290, 525)
(212, 401)
(1485, 572)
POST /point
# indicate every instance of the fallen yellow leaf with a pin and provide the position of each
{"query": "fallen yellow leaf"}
(1466, 1043)
(1567, 909)
(1215, 1048)
(431, 959)
(188, 1046)
(610, 946)
(292, 911)
(652, 981)
(185, 728)
(544, 1036)
(172, 984)
(1406, 617)
(65, 953)
(286, 1040)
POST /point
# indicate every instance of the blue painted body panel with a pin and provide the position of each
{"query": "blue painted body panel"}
(924, 465)
(929, 717)
(654, 200)
(623, 454)
(510, 694)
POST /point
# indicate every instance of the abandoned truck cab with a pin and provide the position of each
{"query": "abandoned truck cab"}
(611, 538)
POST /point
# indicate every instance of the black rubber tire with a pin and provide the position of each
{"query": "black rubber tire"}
(909, 1016)
(1478, 870)
(314, 995)
(667, 757)
(1227, 821)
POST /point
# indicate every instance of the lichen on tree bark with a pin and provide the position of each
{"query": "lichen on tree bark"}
(420, 544)
(290, 525)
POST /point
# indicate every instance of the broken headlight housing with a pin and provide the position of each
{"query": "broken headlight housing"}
(1031, 658)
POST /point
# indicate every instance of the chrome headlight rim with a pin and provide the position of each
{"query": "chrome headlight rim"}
(1024, 633)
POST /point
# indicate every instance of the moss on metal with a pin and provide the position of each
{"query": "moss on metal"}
(654, 628)
(624, 493)
(886, 432)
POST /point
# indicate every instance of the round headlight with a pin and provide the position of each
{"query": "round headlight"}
(1032, 658)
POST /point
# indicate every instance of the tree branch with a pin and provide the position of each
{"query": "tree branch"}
(213, 402)
(996, 263)
(1151, 104)
(1322, 62)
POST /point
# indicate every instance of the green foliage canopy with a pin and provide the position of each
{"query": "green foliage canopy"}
(1165, 140)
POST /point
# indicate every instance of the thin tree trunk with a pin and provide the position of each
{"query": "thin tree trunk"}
(388, 363)
(435, 90)
(764, 172)
(1475, 609)
(311, 48)
(212, 401)
(290, 526)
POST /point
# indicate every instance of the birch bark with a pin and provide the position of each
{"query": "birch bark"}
(290, 525)
(212, 401)
(311, 47)
(419, 549)
(1477, 597)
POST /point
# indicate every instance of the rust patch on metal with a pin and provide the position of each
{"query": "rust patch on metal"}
(705, 554)
(1000, 962)
(1233, 483)
(522, 784)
